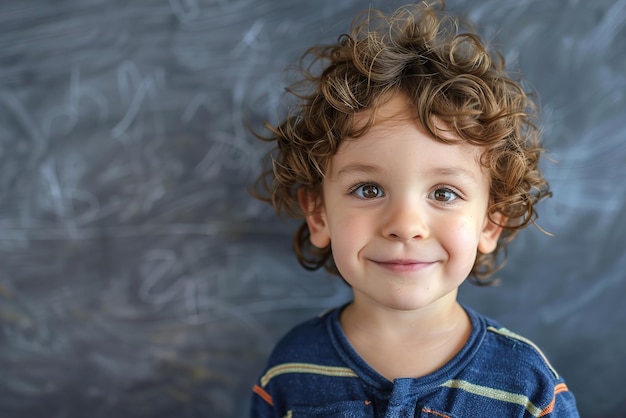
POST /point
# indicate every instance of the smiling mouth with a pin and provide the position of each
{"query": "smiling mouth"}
(404, 265)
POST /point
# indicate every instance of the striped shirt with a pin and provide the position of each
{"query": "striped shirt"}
(314, 372)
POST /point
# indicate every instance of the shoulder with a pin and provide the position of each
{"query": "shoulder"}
(509, 351)
(521, 349)
(304, 363)
(305, 342)
(515, 368)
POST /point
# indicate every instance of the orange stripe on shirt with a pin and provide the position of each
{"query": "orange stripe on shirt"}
(430, 411)
(561, 387)
(263, 394)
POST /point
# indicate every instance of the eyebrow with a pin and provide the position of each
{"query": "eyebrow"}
(456, 172)
(438, 171)
(358, 169)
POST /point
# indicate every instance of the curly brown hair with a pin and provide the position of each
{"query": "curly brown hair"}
(448, 75)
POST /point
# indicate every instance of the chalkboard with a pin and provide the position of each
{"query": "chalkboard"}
(138, 278)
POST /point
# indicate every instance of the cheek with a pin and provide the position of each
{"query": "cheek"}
(462, 247)
(464, 235)
(344, 227)
(348, 235)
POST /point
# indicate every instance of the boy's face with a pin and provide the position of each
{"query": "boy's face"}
(403, 213)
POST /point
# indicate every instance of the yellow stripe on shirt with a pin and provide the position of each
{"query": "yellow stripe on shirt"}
(496, 394)
(306, 368)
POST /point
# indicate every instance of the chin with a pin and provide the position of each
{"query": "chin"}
(413, 304)
(417, 301)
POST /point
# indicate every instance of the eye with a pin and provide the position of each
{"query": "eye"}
(444, 194)
(367, 191)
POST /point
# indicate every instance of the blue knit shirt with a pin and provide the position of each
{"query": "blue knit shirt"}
(314, 372)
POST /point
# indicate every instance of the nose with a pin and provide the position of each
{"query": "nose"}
(405, 220)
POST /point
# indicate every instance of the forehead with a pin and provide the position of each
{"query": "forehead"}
(396, 108)
(396, 133)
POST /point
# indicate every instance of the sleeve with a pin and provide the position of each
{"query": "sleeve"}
(262, 405)
(563, 404)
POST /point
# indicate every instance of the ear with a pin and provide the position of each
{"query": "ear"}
(491, 232)
(313, 209)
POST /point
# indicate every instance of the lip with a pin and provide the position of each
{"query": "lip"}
(403, 264)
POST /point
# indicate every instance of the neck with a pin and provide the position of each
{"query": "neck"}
(390, 340)
(434, 322)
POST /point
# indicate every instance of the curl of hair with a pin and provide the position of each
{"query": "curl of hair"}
(448, 75)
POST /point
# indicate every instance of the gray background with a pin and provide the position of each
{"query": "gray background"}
(139, 279)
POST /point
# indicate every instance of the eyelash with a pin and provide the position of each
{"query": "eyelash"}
(353, 190)
(446, 188)
(441, 187)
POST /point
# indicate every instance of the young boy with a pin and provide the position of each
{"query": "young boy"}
(413, 160)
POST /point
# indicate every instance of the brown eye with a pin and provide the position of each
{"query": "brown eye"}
(444, 195)
(368, 191)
